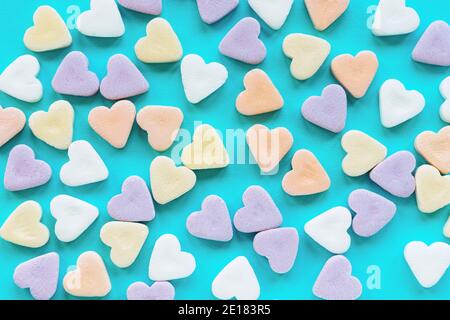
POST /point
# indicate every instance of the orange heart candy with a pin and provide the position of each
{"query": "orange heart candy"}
(114, 124)
(324, 12)
(12, 121)
(355, 73)
(435, 148)
(260, 94)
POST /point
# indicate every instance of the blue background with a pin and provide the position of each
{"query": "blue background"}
(348, 35)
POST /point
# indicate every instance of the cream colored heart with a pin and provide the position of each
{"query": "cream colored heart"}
(432, 189)
(23, 226)
(363, 153)
(125, 239)
(308, 53)
(206, 150)
(54, 127)
(168, 181)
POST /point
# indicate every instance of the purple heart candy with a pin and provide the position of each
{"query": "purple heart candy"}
(153, 7)
(158, 291)
(74, 78)
(329, 111)
(40, 275)
(373, 212)
(23, 171)
(134, 204)
(280, 246)
(242, 42)
(394, 174)
(123, 79)
(259, 212)
(335, 281)
(434, 45)
(212, 11)
(213, 222)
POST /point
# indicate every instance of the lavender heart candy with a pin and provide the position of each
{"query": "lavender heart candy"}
(158, 291)
(434, 45)
(328, 111)
(23, 171)
(153, 7)
(212, 11)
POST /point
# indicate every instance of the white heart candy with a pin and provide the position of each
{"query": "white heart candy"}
(19, 79)
(392, 17)
(329, 229)
(84, 167)
(73, 216)
(444, 88)
(200, 79)
(427, 263)
(397, 104)
(273, 12)
(236, 280)
(168, 262)
(102, 20)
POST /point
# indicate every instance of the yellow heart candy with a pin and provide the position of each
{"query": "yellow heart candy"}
(432, 189)
(54, 127)
(23, 226)
(168, 181)
(206, 151)
(363, 153)
(161, 45)
(125, 239)
(49, 31)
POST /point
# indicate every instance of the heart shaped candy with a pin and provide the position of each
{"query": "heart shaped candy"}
(435, 148)
(308, 53)
(447, 228)
(168, 262)
(160, 45)
(324, 12)
(273, 12)
(23, 171)
(213, 11)
(434, 45)
(444, 88)
(125, 239)
(393, 17)
(432, 189)
(161, 290)
(102, 20)
(12, 121)
(114, 124)
(49, 31)
(153, 7)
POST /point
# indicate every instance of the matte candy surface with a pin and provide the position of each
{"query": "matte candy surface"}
(153, 7)
(102, 20)
(273, 12)
(393, 17)
(435, 148)
(324, 12)
(434, 45)
(12, 121)
(161, 290)
(212, 11)
(432, 189)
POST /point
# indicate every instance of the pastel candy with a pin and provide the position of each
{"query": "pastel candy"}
(280, 246)
(335, 281)
(307, 175)
(49, 31)
(260, 95)
(432, 189)
(73, 217)
(242, 43)
(84, 166)
(74, 78)
(125, 239)
(103, 20)
(123, 79)
(363, 153)
(324, 12)
(212, 222)
(168, 181)
(160, 45)
(153, 7)
(89, 279)
(355, 73)
(113, 124)
(394, 174)
(273, 12)
(12, 121)
(23, 226)
(393, 17)
(308, 53)
(434, 45)
(328, 111)
(206, 150)
(447, 228)
(373, 212)
(134, 204)
(268, 147)
(54, 127)
(259, 212)
(212, 11)
(435, 148)
(23, 171)
(444, 88)
(40, 275)
(19, 79)
(161, 290)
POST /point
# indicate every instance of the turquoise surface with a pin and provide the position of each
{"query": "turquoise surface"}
(383, 252)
